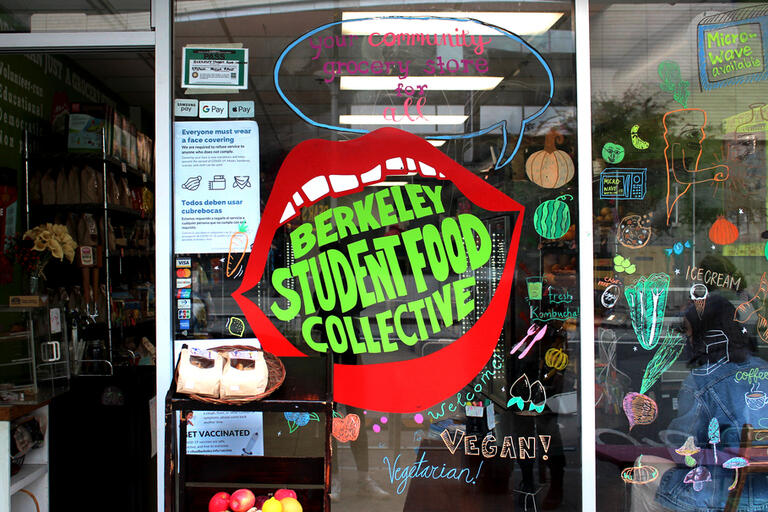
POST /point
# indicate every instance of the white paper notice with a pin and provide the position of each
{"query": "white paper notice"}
(216, 185)
(225, 433)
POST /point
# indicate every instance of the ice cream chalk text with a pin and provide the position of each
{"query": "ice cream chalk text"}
(367, 271)
(423, 469)
(712, 278)
(488, 448)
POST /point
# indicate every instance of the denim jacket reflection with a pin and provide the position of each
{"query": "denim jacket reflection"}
(735, 394)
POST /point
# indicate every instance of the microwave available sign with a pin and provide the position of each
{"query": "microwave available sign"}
(732, 47)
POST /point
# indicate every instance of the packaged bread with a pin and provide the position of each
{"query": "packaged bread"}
(199, 372)
(245, 374)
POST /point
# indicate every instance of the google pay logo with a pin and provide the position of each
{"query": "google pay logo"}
(213, 109)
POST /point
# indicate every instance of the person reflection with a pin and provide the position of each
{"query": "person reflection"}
(724, 385)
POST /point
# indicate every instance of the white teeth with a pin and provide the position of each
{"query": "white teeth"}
(441, 175)
(343, 182)
(395, 164)
(411, 164)
(297, 199)
(372, 175)
(288, 213)
(427, 170)
(316, 188)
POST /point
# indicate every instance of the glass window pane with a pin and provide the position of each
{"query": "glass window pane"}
(74, 16)
(405, 204)
(679, 168)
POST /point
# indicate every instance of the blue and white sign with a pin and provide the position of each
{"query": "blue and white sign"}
(216, 186)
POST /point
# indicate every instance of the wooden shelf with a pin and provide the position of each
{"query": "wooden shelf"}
(29, 473)
(11, 412)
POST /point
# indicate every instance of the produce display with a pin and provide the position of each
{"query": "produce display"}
(244, 500)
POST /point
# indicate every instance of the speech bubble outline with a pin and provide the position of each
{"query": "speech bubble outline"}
(500, 162)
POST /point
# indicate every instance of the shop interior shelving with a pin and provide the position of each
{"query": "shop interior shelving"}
(191, 480)
(94, 325)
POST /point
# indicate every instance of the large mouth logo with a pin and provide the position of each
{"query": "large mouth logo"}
(317, 169)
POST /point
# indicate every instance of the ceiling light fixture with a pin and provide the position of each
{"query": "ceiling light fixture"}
(378, 119)
(521, 23)
(432, 83)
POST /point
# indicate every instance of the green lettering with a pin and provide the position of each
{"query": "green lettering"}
(345, 225)
(386, 210)
(454, 247)
(415, 307)
(324, 228)
(373, 346)
(302, 240)
(385, 330)
(435, 195)
(418, 264)
(380, 276)
(417, 201)
(343, 278)
(387, 244)
(338, 343)
(300, 270)
(355, 249)
(279, 276)
(472, 227)
(462, 290)
(403, 213)
(364, 213)
(408, 340)
(433, 245)
(323, 281)
(306, 333)
(443, 303)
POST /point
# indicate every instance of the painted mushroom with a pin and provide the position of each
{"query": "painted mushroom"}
(688, 449)
(697, 476)
(735, 463)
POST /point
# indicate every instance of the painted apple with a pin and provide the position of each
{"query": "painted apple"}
(300, 418)
(347, 428)
(219, 502)
(242, 500)
(285, 493)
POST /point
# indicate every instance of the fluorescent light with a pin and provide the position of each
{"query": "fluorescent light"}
(521, 23)
(436, 143)
(378, 119)
(388, 184)
(433, 83)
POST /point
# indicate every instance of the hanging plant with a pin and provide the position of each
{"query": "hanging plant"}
(550, 167)
(723, 231)
(553, 218)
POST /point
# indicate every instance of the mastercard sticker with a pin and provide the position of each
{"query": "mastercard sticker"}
(183, 272)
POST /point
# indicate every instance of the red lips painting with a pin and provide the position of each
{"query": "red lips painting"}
(317, 169)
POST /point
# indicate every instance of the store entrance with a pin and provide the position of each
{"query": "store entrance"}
(78, 273)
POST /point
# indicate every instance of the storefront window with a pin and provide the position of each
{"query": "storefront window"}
(35, 16)
(395, 191)
(679, 130)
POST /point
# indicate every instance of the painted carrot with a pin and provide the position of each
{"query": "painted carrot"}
(238, 244)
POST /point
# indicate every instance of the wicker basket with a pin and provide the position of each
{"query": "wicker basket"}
(275, 370)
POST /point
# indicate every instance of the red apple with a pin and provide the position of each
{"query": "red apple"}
(242, 500)
(284, 493)
(219, 502)
(260, 501)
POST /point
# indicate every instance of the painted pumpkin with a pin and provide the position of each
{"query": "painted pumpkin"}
(553, 218)
(556, 358)
(723, 231)
(550, 167)
(639, 475)
(347, 428)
